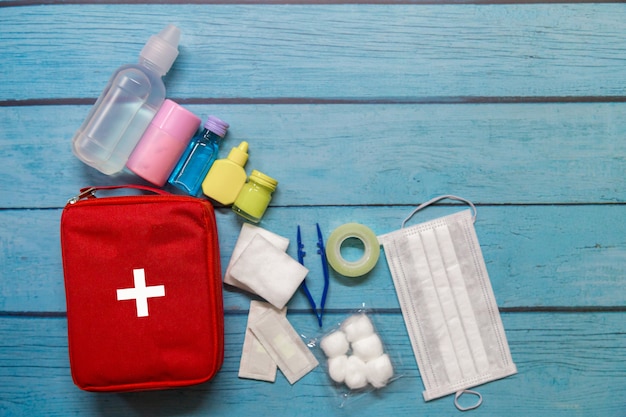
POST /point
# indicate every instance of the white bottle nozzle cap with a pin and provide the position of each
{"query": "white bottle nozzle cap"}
(162, 49)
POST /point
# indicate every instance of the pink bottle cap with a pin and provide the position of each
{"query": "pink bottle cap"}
(163, 143)
(176, 120)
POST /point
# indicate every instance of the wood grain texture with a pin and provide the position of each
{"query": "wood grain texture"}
(543, 256)
(363, 154)
(565, 363)
(323, 51)
(361, 111)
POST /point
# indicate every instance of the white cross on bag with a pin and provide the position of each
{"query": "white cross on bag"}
(140, 293)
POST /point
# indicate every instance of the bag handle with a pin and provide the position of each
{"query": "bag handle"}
(117, 187)
(91, 191)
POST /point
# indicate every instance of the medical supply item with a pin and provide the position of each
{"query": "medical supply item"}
(379, 371)
(448, 304)
(163, 143)
(268, 271)
(356, 373)
(335, 344)
(371, 250)
(197, 159)
(357, 327)
(301, 254)
(284, 345)
(368, 348)
(255, 362)
(247, 233)
(255, 196)
(143, 290)
(125, 108)
(337, 366)
(227, 176)
(355, 354)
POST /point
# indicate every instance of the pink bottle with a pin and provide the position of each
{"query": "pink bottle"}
(163, 143)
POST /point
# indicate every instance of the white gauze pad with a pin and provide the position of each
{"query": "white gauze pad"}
(268, 271)
(248, 232)
(255, 362)
(282, 343)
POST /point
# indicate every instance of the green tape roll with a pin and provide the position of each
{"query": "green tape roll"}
(370, 254)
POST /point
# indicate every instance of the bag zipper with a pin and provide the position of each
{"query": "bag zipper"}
(90, 192)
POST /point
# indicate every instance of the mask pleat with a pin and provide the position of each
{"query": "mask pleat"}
(423, 295)
(477, 354)
(452, 338)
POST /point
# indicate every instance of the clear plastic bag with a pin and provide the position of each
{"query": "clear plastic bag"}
(355, 358)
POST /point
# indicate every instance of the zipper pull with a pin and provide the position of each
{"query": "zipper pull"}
(85, 193)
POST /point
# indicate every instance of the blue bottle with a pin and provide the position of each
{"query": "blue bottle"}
(198, 157)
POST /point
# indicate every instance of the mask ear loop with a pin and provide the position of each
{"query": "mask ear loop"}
(471, 407)
(442, 197)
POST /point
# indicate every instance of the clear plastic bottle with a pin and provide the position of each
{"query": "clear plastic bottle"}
(197, 159)
(125, 108)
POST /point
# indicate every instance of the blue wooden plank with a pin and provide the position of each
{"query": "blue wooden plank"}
(363, 154)
(323, 51)
(559, 256)
(378, 107)
(566, 363)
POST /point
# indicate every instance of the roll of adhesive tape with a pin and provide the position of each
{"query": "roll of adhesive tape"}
(370, 254)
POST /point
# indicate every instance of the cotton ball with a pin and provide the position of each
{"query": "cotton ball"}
(368, 348)
(337, 368)
(357, 327)
(335, 344)
(379, 371)
(356, 373)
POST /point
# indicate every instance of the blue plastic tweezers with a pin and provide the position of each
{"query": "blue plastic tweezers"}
(322, 252)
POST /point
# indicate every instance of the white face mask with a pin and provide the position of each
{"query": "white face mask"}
(448, 304)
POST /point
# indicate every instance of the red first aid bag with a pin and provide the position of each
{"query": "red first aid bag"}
(143, 290)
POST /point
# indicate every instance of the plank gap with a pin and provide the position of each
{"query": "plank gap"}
(383, 205)
(22, 3)
(321, 101)
(381, 311)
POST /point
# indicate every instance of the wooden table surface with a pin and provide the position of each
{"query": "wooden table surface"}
(361, 110)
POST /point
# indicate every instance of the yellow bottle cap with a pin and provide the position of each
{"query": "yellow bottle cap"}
(239, 155)
(263, 179)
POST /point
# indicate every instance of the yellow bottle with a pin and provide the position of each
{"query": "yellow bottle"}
(255, 196)
(227, 176)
